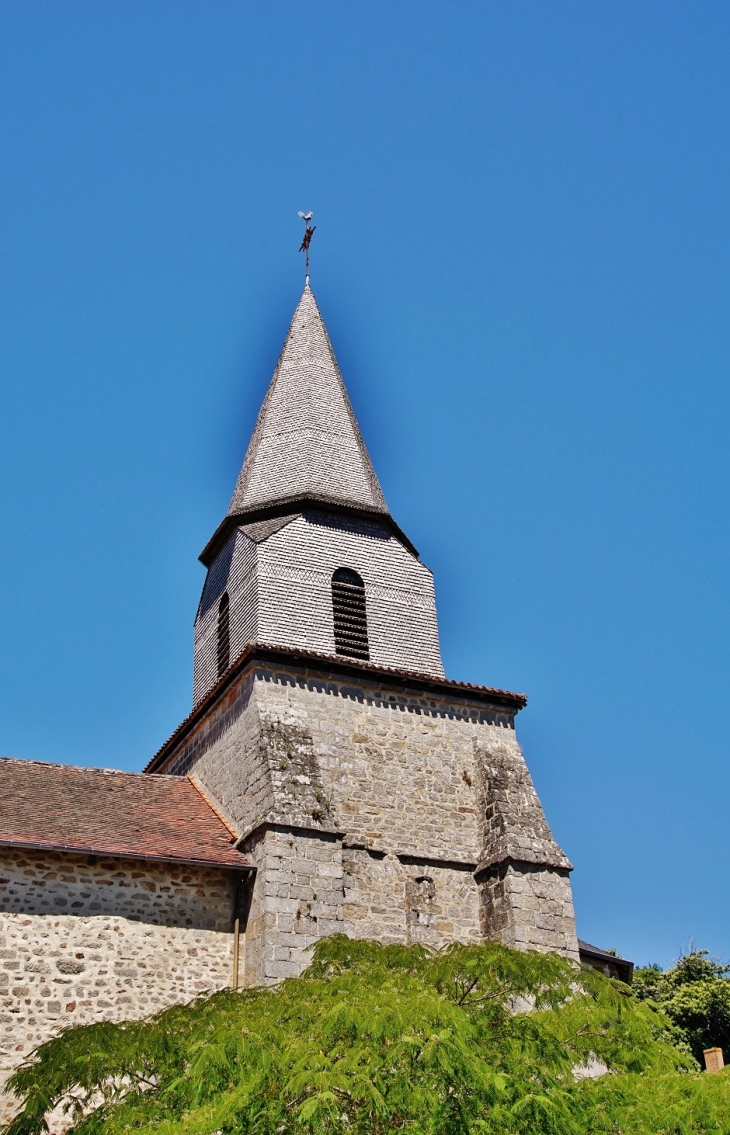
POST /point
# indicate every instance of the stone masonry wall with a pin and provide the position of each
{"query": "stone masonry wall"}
(412, 801)
(309, 886)
(297, 899)
(86, 938)
(528, 906)
(393, 771)
(394, 899)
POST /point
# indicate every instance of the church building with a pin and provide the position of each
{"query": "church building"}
(329, 779)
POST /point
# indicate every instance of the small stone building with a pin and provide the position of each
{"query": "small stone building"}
(329, 779)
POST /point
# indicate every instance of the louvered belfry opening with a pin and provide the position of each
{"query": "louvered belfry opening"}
(224, 634)
(350, 617)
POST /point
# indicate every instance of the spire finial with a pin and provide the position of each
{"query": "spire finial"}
(306, 241)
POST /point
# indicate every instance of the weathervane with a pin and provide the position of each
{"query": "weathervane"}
(307, 239)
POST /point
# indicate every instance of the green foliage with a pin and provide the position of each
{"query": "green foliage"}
(374, 1039)
(695, 996)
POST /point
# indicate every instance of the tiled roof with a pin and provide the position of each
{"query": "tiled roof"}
(597, 952)
(105, 812)
(324, 663)
(610, 964)
(307, 443)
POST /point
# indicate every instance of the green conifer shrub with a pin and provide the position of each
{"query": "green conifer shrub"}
(375, 1039)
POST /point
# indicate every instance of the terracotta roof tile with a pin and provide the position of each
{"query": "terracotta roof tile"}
(106, 812)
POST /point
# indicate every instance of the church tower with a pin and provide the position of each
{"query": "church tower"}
(308, 555)
(373, 796)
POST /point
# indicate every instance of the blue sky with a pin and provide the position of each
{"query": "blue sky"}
(522, 251)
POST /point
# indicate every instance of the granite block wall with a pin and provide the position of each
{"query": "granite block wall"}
(310, 885)
(417, 801)
(297, 899)
(393, 771)
(528, 906)
(86, 938)
(394, 899)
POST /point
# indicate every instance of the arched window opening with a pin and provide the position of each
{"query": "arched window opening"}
(350, 617)
(224, 634)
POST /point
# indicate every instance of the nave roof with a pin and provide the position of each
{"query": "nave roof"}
(107, 812)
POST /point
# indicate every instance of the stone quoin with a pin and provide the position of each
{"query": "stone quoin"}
(329, 779)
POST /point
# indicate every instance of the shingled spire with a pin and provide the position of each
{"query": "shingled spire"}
(307, 444)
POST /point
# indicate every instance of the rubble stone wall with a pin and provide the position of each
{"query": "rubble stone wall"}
(86, 938)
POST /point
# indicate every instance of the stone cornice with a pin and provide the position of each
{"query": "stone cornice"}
(308, 665)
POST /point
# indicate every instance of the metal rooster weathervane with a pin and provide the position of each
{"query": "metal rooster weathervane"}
(307, 240)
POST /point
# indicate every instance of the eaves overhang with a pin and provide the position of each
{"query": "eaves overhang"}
(288, 506)
(328, 664)
(126, 853)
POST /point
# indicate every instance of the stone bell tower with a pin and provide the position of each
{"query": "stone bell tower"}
(375, 797)
(306, 504)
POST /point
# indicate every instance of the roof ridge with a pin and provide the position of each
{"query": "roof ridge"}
(84, 768)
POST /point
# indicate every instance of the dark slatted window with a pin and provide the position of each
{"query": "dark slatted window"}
(350, 618)
(224, 634)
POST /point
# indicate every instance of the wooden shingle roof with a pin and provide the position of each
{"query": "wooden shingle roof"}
(307, 443)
